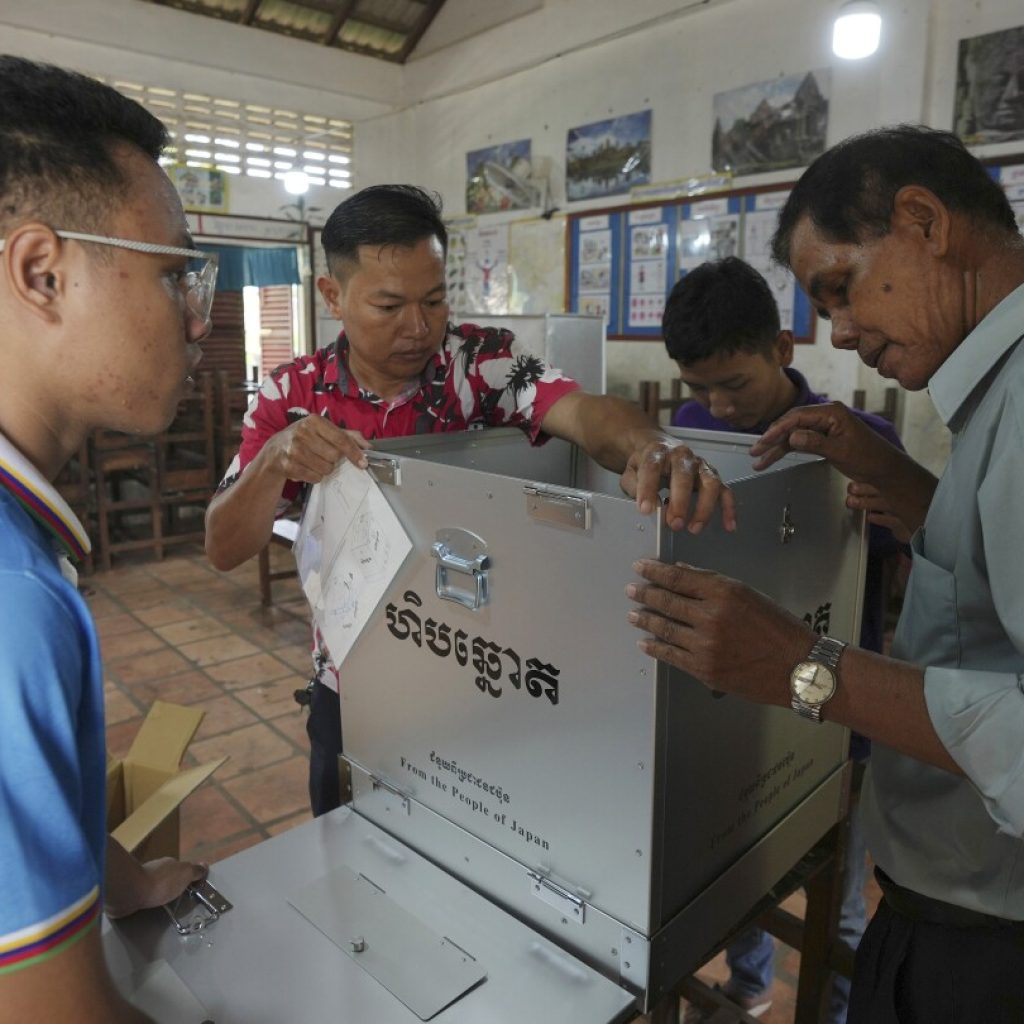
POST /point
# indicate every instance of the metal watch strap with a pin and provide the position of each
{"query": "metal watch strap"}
(827, 651)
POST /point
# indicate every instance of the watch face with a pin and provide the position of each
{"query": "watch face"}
(813, 683)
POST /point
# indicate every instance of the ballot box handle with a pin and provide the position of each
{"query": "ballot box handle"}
(461, 575)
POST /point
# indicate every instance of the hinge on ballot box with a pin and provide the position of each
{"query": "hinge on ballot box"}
(385, 469)
(553, 505)
(569, 905)
(390, 793)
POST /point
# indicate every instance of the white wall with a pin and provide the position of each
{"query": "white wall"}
(576, 61)
(554, 65)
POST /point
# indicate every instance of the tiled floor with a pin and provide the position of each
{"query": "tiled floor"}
(180, 631)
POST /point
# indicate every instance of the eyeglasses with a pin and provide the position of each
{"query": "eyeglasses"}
(197, 283)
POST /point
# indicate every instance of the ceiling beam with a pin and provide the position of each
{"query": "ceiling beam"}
(249, 13)
(430, 9)
(340, 17)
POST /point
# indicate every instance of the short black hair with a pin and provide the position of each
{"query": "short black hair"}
(849, 191)
(719, 308)
(382, 215)
(58, 130)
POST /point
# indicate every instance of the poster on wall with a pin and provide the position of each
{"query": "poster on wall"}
(536, 259)
(594, 267)
(455, 267)
(990, 87)
(201, 188)
(759, 225)
(501, 178)
(648, 268)
(608, 157)
(708, 232)
(485, 269)
(771, 125)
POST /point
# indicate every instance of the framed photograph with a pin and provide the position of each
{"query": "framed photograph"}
(608, 157)
(990, 87)
(771, 125)
(501, 178)
(200, 188)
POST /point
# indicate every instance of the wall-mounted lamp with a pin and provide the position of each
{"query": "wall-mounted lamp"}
(857, 30)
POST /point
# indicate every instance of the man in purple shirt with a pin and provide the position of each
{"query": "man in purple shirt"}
(721, 325)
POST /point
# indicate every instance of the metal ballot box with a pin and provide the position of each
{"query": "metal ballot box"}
(499, 718)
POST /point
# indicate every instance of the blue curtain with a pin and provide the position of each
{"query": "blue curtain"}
(241, 266)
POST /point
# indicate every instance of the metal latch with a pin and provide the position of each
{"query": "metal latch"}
(787, 527)
(199, 905)
(568, 904)
(564, 508)
(465, 554)
(385, 469)
(379, 784)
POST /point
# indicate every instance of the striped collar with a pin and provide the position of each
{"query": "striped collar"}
(41, 500)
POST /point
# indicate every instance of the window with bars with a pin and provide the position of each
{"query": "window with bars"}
(258, 140)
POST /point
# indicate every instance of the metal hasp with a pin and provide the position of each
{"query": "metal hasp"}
(198, 906)
(787, 527)
(553, 505)
(385, 470)
(463, 553)
(568, 904)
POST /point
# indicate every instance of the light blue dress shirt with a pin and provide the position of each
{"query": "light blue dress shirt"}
(953, 838)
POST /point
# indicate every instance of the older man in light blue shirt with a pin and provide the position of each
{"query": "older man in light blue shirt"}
(964, 620)
(911, 250)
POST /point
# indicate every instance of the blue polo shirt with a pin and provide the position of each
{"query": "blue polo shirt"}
(52, 755)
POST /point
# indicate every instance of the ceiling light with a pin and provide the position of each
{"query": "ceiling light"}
(296, 183)
(857, 30)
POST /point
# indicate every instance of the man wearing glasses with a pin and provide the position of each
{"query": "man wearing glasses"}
(103, 302)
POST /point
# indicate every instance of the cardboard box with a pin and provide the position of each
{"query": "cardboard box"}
(146, 788)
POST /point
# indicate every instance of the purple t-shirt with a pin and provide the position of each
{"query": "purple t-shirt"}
(881, 543)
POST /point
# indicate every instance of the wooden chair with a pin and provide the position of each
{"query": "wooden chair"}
(187, 465)
(74, 484)
(816, 936)
(152, 494)
(653, 404)
(285, 532)
(890, 403)
(127, 494)
(233, 399)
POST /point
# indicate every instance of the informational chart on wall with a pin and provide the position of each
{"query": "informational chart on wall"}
(478, 268)
(651, 245)
(596, 266)
(625, 262)
(536, 257)
(486, 269)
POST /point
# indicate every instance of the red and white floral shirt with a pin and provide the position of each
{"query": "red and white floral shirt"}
(480, 377)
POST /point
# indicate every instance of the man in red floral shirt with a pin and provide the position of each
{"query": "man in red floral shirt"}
(400, 368)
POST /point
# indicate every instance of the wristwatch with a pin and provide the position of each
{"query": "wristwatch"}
(812, 684)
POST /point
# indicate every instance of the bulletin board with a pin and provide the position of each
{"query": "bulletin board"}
(623, 262)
